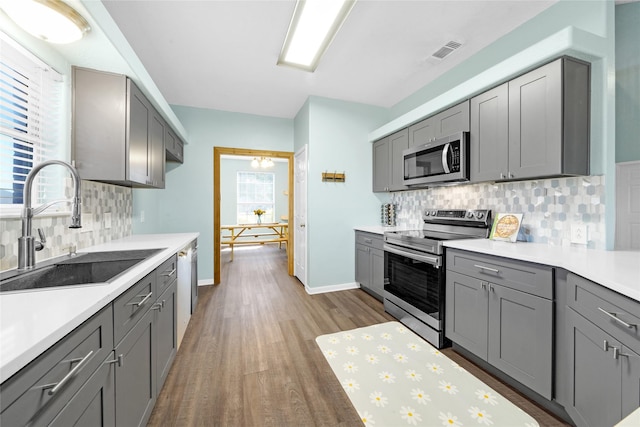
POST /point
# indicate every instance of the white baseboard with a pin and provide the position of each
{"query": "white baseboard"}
(205, 282)
(331, 288)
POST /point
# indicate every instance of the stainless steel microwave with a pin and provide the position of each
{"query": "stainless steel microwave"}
(441, 161)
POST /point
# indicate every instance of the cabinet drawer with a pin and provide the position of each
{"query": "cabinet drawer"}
(369, 239)
(35, 394)
(528, 277)
(612, 312)
(167, 272)
(129, 307)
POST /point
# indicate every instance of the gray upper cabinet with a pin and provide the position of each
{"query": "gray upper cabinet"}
(489, 136)
(445, 123)
(174, 146)
(388, 162)
(545, 114)
(118, 137)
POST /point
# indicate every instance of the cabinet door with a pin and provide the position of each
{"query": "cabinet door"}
(398, 142)
(521, 337)
(138, 136)
(452, 120)
(630, 381)
(466, 312)
(166, 333)
(490, 135)
(377, 272)
(156, 151)
(422, 132)
(381, 159)
(363, 266)
(136, 377)
(94, 404)
(595, 390)
(535, 123)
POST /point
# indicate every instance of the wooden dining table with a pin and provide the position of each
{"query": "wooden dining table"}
(250, 234)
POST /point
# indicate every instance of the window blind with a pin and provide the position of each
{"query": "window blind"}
(31, 108)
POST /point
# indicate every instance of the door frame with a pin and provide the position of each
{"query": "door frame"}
(217, 153)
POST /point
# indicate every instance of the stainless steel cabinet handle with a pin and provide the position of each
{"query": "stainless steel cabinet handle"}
(511, 175)
(54, 388)
(143, 301)
(617, 353)
(158, 306)
(165, 274)
(119, 360)
(482, 267)
(501, 175)
(483, 286)
(491, 288)
(606, 346)
(615, 317)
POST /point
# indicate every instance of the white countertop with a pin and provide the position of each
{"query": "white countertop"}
(631, 420)
(32, 321)
(377, 229)
(616, 270)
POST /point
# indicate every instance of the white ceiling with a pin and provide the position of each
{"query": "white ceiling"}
(222, 54)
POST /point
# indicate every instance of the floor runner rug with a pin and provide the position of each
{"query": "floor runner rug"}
(395, 378)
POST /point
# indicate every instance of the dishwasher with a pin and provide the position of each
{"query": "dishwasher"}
(187, 286)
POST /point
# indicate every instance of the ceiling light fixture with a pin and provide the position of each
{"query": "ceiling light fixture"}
(312, 29)
(263, 162)
(51, 20)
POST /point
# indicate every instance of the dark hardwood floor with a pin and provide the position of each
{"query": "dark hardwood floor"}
(249, 356)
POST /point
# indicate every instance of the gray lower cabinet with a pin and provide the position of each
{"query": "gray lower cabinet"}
(94, 404)
(536, 125)
(38, 392)
(388, 163)
(370, 263)
(502, 311)
(108, 371)
(166, 344)
(603, 354)
(452, 120)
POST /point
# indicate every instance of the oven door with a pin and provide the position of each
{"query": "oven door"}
(414, 281)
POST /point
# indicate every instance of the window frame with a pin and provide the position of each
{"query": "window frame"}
(269, 207)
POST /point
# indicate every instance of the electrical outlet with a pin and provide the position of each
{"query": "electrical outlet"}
(579, 234)
(107, 220)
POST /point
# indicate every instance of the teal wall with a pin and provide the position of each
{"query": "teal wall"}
(628, 82)
(229, 169)
(337, 142)
(186, 204)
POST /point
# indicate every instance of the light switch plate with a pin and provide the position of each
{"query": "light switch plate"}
(579, 234)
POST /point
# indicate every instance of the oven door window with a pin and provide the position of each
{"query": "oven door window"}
(415, 282)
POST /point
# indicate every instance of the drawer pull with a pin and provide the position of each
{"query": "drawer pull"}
(617, 353)
(615, 317)
(158, 306)
(482, 267)
(119, 360)
(606, 346)
(368, 241)
(165, 274)
(143, 301)
(54, 388)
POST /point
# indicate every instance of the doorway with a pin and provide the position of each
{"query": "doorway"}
(218, 152)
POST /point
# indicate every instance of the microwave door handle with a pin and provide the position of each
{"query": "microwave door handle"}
(445, 158)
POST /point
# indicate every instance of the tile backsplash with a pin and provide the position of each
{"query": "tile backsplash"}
(550, 206)
(106, 215)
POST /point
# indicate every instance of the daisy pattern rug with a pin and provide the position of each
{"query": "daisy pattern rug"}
(395, 378)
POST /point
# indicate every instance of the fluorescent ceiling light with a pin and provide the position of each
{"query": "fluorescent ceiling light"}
(313, 26)
(50, 20)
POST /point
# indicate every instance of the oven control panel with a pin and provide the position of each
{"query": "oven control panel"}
(482, 216)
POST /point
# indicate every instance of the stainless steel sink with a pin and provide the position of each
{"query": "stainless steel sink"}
(82, 269)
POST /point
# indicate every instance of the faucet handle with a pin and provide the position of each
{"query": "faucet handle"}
(40, 245)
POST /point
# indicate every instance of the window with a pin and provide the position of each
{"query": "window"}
(256, 190)
(31, 131)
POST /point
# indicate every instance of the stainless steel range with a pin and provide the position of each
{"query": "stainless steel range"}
(414, 279)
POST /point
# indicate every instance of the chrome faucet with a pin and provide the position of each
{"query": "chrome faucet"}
(27, 244)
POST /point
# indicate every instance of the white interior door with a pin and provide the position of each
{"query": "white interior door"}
(300, 215)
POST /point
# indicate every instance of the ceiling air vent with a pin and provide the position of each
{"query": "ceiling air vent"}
(446, 49)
